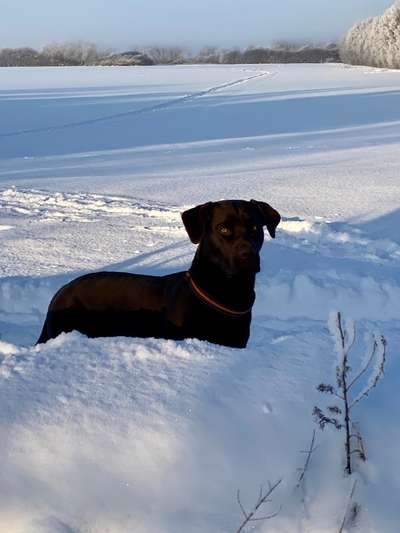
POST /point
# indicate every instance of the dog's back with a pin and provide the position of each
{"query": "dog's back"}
(109, 304)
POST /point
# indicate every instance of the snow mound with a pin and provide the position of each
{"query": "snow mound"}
(374, 42)
(82, 207)
(155, 435)
(152, 435)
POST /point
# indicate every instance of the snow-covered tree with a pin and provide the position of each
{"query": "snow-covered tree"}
(71, 53)
(374, 42)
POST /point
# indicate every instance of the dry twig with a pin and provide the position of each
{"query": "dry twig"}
(303, 469)
(262, 499)
(352, 510)
(340, 417)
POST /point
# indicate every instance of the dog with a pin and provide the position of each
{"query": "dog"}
(211, 301)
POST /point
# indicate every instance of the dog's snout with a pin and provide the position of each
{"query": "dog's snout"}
(247, 257)
(245, 250)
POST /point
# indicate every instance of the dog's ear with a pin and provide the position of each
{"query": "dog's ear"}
(270, 216)
(194, 220)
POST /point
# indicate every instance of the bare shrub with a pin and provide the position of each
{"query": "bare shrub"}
(372, 365)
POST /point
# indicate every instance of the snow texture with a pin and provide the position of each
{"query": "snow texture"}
(156, 436)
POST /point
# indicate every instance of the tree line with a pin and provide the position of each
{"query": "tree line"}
(80, 53)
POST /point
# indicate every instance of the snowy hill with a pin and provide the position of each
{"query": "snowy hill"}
(155, 436)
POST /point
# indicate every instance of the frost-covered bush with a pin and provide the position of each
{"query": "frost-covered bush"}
(71, 53)
(375, 41)
(18, 57)
(346, 380)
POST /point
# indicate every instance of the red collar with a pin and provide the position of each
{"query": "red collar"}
(210, 301)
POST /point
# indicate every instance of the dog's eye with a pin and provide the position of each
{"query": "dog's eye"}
(224, 230)
(254, 228)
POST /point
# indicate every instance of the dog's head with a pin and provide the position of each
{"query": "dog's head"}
(231, 232)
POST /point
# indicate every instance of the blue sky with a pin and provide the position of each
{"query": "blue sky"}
(193, 23)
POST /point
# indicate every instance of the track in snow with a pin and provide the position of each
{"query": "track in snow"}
(141, 111)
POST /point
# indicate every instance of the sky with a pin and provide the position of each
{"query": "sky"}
(123, 24)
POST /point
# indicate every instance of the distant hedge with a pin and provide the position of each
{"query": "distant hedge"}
(270, 55)
(82, 53)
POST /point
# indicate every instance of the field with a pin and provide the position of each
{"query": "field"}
(155, 436)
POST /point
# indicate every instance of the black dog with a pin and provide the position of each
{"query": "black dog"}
(212, 301)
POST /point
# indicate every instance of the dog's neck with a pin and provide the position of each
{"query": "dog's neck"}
(235, 291)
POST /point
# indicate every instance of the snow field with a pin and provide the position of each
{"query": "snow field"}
(146, 435)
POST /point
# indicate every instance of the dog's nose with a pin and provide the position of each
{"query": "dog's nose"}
(245, 251)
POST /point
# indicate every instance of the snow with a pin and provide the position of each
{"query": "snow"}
(146, 435)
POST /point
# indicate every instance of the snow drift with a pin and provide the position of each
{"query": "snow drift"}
(375, 41)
